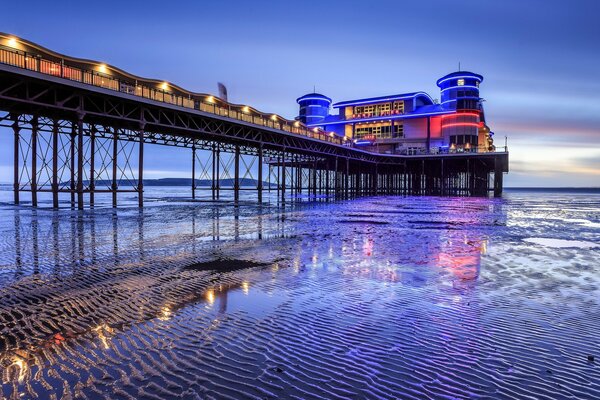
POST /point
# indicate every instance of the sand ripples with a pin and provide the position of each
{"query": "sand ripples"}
(445, 300)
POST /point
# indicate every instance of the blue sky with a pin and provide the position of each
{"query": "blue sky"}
(540, 60)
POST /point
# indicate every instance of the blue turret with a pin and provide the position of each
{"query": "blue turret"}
(314, 107)
(460, 90)
(460, 93)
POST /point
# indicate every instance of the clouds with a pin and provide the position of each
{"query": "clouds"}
(539, 58)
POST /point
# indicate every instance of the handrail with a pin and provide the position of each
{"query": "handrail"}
(35, 62)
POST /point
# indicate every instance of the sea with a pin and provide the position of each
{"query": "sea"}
(372, 298)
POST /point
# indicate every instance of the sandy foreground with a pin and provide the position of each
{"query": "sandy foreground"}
(370, 298)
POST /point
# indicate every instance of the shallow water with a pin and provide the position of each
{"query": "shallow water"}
(383, 297)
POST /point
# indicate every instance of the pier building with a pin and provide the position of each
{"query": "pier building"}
(408, 123)
(80, 127)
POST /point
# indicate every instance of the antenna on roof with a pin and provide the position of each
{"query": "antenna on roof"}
(459, 66)
(314, 89)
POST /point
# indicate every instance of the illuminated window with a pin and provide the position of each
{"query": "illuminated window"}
(460, 82)
(399, 106)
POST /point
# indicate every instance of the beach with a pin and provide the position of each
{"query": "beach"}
(378, 297)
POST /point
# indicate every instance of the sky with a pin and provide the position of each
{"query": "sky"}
(540, 60)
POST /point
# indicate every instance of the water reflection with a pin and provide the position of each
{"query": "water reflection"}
(388, 289)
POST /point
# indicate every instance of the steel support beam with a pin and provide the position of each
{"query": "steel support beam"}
(55, 163)
(16, 159)
(80, 162)
(259, 186)
(92, 161)
(141, 166)
(72, 159)
(115, 155)
(236, 178)
(193, 172)
(34, 146)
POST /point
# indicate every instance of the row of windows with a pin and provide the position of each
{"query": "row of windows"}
(467, 104)
(378, 131)
(463, 93)
(461, 82)
(323, 103)
(460, 140)
(313, 111)
(377, 109)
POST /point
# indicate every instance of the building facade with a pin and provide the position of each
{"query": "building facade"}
(409, 123)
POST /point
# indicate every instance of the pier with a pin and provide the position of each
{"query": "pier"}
(79, 122)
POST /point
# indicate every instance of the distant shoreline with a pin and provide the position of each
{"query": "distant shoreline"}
(175, 182)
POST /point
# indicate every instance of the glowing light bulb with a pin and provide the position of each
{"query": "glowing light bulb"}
(274, 117)
(12, 42)
(246, 109)
(164, 86)
(210, 99)
(102, 68)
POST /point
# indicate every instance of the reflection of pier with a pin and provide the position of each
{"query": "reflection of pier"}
(53, 244)
(80, 128)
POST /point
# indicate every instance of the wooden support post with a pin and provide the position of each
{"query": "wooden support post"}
(55, 163)
(259, 186)
(327, 180)
(194, 172)
(337, 179)
(314, 179)
(422, 180)
(468, 178)
(346, 179)
(141, 166)
(299, 177)
(376, 181)
(115, 156)
(16, 159)
(92, 161)
(497, 178)
(236, 176)
(320, 175)
(442, 180)
(34, 133)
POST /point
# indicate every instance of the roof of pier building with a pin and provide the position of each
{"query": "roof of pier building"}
(423, 106)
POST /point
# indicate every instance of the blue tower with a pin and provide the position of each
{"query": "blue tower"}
(460, 90)
(314, 107)
(460, 93)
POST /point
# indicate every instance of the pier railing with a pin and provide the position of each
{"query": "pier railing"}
(206, 103)
(103, 76)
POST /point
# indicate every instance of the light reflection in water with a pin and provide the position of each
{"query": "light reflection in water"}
(210, 296)
(426, 259)
(165, 313)
(104, 333)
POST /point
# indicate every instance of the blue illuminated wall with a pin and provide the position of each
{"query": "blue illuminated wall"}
(314, 107)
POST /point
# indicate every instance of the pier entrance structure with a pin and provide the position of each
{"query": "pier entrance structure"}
(80, 128)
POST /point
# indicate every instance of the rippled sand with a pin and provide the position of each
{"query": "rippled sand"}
(372, 298)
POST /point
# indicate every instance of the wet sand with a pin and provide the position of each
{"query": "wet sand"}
(372, 298)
